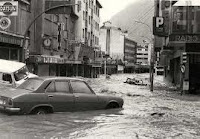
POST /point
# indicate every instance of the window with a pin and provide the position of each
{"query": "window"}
(66, 23)
(59, 86)
(83, 15)
(80, 87)
(14, 54)
(79, 6)
(62, 86)
(83, 33)
(56, 18)
(31, 84)
(7, 77)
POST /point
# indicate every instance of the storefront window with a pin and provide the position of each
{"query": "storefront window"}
(4, 53)
(14, 54)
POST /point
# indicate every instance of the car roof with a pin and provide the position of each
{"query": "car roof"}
(8, 66)
(58, 78)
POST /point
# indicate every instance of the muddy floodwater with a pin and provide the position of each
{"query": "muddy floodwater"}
(161, 114)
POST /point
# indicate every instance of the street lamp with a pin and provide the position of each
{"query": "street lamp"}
(27, 29)
(151, 68)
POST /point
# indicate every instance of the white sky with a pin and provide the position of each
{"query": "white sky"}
(111, 7)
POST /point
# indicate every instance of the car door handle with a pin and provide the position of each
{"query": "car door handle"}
(76, 96)
(50, 95)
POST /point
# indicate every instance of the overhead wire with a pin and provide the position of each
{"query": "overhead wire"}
(141, 18)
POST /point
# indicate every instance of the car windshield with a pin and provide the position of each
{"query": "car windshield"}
(31, 84)
(21, 73)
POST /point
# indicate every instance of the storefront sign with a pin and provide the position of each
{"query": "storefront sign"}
(10, 39)
(9, 8)
(185, 38)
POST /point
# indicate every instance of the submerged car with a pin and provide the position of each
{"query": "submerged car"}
(40, 95)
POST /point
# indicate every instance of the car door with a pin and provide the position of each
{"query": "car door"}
(60, 96)
(85, 98)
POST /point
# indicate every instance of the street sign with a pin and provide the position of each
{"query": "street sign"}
(159, 27)
(182, 68)
(9, 8)
(5, 23)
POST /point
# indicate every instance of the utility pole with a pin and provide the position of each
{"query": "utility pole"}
(151, 68)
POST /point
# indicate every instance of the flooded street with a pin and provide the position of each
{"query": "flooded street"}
(145, 115)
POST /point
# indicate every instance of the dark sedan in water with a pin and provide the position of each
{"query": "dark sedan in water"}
(42, 95)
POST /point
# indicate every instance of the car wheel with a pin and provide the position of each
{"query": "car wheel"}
(40, 111)
(112, 105)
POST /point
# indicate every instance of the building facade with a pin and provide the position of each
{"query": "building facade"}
(142, 55)
(180, 50)
(130, 55)
(56, 48)
(87, 32)
(112, 43)
(12, 37)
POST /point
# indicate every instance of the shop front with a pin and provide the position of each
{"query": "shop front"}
(10, 47)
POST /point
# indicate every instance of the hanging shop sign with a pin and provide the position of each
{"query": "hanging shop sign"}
(8, 8)
(5, 23)
(159, 26)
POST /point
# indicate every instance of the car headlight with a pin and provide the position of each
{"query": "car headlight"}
(10, 101)
(4, 102)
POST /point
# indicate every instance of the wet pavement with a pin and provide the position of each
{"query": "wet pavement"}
(161, 114)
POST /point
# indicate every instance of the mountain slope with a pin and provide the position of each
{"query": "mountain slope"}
(142, 11)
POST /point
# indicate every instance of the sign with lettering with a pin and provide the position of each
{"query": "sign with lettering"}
(159, 26)
(10, 39)
(9, 8)
(188, 38)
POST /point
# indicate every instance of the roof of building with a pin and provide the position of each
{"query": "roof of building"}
(98, 3)
(127, 38)
(8, 66)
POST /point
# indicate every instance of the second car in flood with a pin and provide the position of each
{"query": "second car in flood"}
(41, 95)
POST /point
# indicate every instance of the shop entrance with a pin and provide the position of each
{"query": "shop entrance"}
(194, 73)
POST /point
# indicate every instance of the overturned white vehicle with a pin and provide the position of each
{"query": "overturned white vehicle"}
(13, 73)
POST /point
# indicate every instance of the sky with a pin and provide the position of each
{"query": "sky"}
(111, 7)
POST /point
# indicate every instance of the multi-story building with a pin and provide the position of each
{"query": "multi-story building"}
(11, 38)
(142, 55)
(181, 40)
(130, 51)
(51, 52)
(142, 59)
(55, 45)
(87, 31)
(87, 26)
(112, 43)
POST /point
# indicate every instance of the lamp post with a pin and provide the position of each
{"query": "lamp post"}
(27, 29)
(151, 68)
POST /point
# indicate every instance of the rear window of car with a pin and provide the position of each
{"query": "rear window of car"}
(31, 84)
